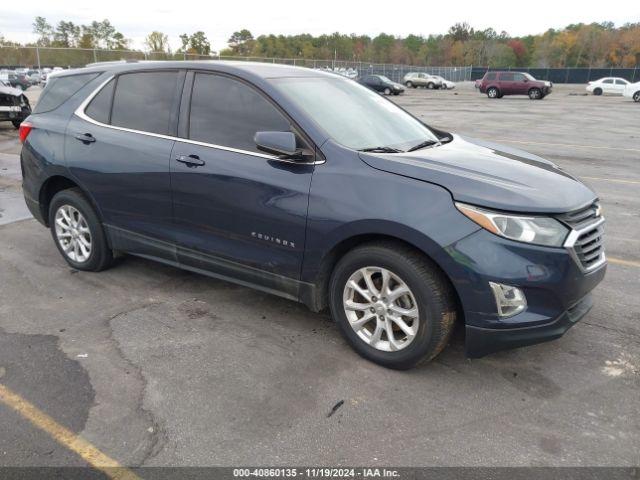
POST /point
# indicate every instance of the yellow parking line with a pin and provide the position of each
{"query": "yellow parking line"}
(626, 263)
(616, 180)
(65, 437)
(598, 147)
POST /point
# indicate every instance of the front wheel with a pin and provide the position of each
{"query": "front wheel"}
(77, 232)
(535, 94)
(597, 91)
(636, 97)
(493, 92)
(392, 304)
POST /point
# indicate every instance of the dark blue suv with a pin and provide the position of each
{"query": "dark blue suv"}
(310, 186)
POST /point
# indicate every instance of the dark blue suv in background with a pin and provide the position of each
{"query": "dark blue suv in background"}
(310, 186)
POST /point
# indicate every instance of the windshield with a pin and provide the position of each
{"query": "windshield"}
(353, 115)
(385, 79)
(528, 76)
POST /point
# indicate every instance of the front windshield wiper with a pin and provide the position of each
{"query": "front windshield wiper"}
(380, 150)
(426, 143)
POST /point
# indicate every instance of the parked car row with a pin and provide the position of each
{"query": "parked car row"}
(24, 78)
(498, 84)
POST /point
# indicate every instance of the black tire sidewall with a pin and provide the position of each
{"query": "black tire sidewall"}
(429, 308)
(100, 252)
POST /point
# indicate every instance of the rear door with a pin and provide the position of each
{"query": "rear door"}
(238, 212)
(506, 83)
(119, 149)
(608, 85)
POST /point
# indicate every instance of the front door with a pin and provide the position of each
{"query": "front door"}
(238, 212)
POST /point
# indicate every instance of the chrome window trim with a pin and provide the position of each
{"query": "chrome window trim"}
(80, 112)
(571, 240)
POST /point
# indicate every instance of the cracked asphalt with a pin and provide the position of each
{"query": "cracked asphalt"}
(160, 367)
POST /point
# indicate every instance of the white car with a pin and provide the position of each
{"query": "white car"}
(446, 84)
(607, 85)
(632, 90)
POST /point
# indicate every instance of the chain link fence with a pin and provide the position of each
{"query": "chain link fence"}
(41, 57)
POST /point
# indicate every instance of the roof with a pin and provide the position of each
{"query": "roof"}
(259, 69)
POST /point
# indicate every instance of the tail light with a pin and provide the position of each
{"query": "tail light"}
(25, 130)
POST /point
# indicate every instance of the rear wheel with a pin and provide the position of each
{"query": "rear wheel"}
(409, 84)
(77, 232)
(492, 92)
(597, 91)
(636, 96)
(392, 304)
(387, 91)
(430, 85)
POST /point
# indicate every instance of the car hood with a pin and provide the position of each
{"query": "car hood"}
(16, 92)
(490, 175)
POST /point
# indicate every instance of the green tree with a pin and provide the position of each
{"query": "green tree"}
(195, 43)
(241, 42)
(67, 34)
(157, 42)
(44, 31)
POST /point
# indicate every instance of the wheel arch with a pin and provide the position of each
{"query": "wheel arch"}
(331, 258)
(57, 183)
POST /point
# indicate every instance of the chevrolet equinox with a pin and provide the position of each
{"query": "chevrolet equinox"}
(312, 187)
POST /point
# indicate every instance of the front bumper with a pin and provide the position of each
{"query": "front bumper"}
(482, 341)
(555, 286)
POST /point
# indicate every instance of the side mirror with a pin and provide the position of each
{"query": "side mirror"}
(277, 143)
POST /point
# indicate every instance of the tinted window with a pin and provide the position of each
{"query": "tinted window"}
(506, 77)
(620, 81)
(608, 80)
(144, 101)
(100, 107)
(228, 112)
(490, 76)
(518, 77)
(60, 89)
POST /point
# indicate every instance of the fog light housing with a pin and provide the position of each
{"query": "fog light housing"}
(509, 300)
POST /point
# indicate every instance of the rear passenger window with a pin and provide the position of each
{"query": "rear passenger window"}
(506, 77)
(100, 107)
(228, 112)
(608, 80)
(61, 89)
(144, 101)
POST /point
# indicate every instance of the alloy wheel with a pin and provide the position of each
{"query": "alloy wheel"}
(73, 233)
(381, 308)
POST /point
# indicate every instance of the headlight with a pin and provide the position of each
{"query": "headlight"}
(522, 228)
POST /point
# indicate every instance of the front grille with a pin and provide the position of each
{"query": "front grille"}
(586, 240)
(581, 218)
(589, 247)
(8, 100)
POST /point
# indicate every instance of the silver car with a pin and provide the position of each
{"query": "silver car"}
(420, 79)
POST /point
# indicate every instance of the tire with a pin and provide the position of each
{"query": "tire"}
(409, 84)
(597, 91)
(430, 85)
(387, 91)
(430, 299)
(535, 94)
(636, 97)
(492, 92)
(76, 206)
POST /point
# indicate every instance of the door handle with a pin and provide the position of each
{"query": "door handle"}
(85, 138)
(190, 160)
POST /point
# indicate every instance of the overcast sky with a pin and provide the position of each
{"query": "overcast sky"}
(219, 19)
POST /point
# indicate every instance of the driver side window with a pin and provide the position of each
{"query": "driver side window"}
(227, 112)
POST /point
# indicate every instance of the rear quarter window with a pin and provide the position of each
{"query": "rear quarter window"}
(61, 89)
